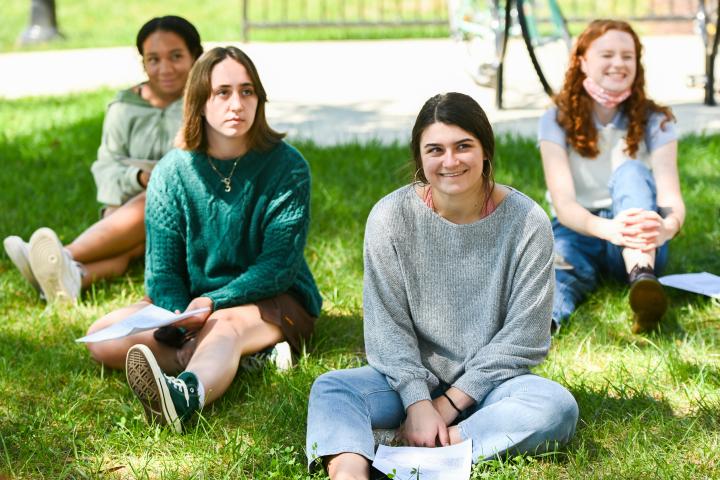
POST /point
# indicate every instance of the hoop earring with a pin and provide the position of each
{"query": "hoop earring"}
(416, 179)
(488, 175)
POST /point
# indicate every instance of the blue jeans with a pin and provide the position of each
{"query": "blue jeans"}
(631, 185)
(526, 414)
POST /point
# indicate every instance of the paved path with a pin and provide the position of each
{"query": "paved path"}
(334, 92)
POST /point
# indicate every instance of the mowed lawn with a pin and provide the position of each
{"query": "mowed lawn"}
(649, 404)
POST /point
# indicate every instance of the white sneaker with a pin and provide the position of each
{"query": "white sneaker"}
(19, 253)
(280, 355)
(56, 272)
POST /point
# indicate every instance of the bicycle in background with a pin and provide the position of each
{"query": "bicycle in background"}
(707, 24)
(485, 26)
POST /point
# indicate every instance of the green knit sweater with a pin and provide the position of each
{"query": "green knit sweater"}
(234, 247)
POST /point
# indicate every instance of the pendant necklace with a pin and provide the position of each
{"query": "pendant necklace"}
(225, 180)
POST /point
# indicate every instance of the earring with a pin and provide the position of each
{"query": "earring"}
(416, 179)
(489, 172)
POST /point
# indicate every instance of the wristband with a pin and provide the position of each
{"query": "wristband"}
(452, 404)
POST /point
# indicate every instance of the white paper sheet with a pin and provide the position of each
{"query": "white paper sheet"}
(703, 283)
(441, 463)
(148, 318)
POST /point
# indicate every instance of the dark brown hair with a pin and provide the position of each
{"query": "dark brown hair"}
(575, 105)
(192, 134)
(462, 111)
(176, 25)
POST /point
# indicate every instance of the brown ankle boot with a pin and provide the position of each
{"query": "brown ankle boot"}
(647, 299)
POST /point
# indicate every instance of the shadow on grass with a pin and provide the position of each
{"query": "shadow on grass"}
(610, 413)
(47, 181)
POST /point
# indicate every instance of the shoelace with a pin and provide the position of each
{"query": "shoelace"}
(180, 386)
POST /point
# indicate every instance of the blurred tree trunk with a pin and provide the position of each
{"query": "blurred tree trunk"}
(43, 23)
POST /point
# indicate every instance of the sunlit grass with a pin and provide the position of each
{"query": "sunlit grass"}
(649, 404)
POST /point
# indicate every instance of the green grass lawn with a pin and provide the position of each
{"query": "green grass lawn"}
(109, 23)
(649, 404)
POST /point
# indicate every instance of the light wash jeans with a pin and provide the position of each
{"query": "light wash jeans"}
(526, 414)
(631, 185)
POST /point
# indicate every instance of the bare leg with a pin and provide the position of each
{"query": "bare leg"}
(227, 335)
(111, 267)
(112, 353)
(114, 235)
(348, 466)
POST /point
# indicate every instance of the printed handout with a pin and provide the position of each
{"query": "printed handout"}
(148, 318)
(441, 463)
(703, 283)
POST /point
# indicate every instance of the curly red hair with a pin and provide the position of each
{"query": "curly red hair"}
(575, 105)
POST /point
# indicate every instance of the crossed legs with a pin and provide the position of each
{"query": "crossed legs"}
(213, 355)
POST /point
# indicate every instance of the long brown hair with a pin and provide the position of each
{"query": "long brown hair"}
(575, 105)
(192, 134)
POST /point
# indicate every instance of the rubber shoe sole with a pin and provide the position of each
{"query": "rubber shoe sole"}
(147, 381)
(19, 253)
(648, 301)
(49, 264)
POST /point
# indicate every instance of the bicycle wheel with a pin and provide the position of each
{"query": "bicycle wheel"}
(480, 25)
(707, 24)
(547, 39)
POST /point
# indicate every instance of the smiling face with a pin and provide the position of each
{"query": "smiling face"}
(230, 108)
(452, 159)
(611, 61)
(167, 62)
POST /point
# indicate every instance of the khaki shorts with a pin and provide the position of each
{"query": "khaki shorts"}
(289, 315)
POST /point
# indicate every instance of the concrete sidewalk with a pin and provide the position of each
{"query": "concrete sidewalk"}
(335, 92)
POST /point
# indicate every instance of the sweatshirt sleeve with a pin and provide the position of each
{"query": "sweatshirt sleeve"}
(285, 228)
(166, 279)
(391, 342)
(524, 339)
(116, 182)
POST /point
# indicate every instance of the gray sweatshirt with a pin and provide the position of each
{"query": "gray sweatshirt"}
(466, 305)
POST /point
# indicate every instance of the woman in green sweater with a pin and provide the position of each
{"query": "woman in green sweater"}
(227, 218)
(139, 128)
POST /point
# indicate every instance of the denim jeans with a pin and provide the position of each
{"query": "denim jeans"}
(631, 185)
(526, 414)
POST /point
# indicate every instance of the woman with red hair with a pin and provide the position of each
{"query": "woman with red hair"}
(609, 155)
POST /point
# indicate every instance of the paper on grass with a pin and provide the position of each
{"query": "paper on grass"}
(148, 318)
(441, 463)
(703, 283)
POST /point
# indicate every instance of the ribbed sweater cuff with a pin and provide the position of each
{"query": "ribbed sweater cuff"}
(477, 388)
(413, 391)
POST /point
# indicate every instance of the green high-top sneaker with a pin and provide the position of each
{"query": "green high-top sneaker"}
(167, 400)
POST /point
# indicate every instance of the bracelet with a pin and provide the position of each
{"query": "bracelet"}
(452, 404)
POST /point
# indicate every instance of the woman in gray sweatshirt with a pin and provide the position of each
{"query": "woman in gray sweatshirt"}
(457, 304)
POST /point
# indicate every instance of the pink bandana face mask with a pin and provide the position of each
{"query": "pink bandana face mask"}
(604, 97)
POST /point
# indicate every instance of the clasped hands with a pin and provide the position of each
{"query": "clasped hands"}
(427, 422)
(638, 229)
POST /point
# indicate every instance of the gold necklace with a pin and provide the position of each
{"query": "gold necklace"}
(225, 180)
